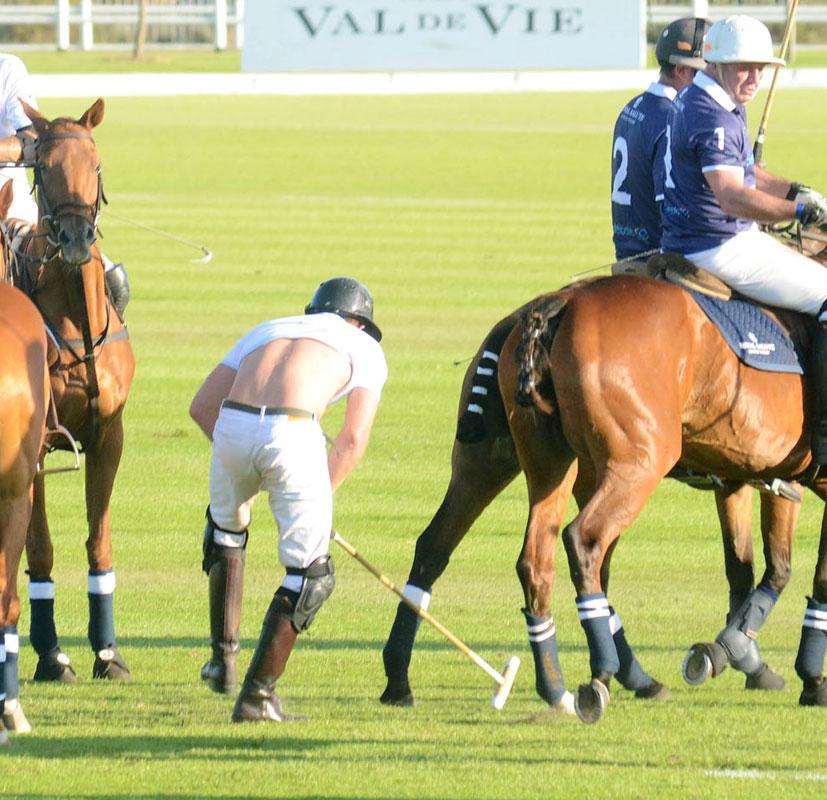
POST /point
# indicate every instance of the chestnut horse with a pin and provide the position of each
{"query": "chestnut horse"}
(483, 462)
(605, 389)
(91, 374)
(23, 400)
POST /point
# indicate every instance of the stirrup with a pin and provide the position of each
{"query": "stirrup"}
(778, 487)
(60, 432)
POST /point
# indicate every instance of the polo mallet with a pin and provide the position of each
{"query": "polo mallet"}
(208, 254)
(504, 681)
(758, 149)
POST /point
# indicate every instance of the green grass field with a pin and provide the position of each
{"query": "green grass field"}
(454, 210)
(204, 60)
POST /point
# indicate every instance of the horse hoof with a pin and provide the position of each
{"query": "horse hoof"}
(54, 667)
(4, 736)
(814, 696)
(220, 676)
(654, 691)
(591, 701)
(397, 693)
(14, 718)
(766, 679)
(110, 666)
(703, 660)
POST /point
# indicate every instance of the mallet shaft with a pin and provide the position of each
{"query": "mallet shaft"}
(461, 646)
(761, 136)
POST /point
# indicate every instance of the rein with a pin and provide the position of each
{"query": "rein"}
(51, 216)
(92, 387)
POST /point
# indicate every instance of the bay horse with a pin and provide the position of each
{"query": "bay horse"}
(483, 462)
(23, 400)
(91, 371)
(605, 390)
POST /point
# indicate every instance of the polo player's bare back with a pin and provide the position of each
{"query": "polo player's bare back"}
(298, 373)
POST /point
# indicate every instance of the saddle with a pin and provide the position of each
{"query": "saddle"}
(674, 268)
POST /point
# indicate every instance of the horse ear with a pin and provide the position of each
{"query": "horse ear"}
(93, 116)
(38, 120)
(5, 198)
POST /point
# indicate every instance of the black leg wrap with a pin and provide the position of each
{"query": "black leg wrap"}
(396, 656)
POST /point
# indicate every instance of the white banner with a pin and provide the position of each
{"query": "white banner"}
(442, 34)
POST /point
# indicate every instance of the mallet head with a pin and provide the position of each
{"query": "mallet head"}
(504, 689)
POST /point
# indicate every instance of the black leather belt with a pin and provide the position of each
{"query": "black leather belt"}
(268, 410)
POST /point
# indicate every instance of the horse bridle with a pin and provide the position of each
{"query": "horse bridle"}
(52, 215)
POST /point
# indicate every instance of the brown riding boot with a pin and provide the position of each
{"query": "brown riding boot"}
(257, 702)
(226, 588)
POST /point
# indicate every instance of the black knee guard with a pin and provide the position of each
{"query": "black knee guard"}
(117, 282)
(317, 586)
(213, 552)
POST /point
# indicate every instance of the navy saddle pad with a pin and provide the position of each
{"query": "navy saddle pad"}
(757, 339)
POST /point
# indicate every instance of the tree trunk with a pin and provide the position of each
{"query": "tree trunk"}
(140, 33)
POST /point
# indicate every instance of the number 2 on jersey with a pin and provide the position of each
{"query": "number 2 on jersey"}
(620, 197)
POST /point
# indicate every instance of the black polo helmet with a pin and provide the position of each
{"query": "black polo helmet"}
(681, 43)
(348, 298)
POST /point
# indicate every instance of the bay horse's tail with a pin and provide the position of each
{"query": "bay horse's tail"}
(538, 327)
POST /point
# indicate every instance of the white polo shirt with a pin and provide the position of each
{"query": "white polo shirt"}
(368, 368)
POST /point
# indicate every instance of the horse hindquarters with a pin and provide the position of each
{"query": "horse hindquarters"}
(623, 427)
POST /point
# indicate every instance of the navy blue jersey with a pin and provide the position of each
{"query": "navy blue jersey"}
(706, 131)
(638, 148)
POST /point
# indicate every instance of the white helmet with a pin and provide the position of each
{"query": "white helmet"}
(739, 39)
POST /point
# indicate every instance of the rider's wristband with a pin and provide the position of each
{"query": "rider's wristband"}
(794, 189)
(799, 211)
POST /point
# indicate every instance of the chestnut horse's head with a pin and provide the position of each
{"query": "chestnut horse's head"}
(67, 176)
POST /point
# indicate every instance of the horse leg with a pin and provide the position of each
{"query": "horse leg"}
(734, 506)
(549, 482)
(736, 644)
(779, 518)
(14, 519)
(809, 663)
(483, 463)
(52, 663)
(102, 462)
(479, 472)
(589, 539)
(630, 674)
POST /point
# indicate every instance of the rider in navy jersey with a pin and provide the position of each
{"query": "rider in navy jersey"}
(714, 193)
(638, 143)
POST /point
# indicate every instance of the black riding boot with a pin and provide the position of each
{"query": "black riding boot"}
(226, 587)
(257, 702)
(818, 383)
(117, 282)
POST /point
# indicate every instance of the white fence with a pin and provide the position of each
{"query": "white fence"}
(223, 15)
(220, 15)
(766, 12)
